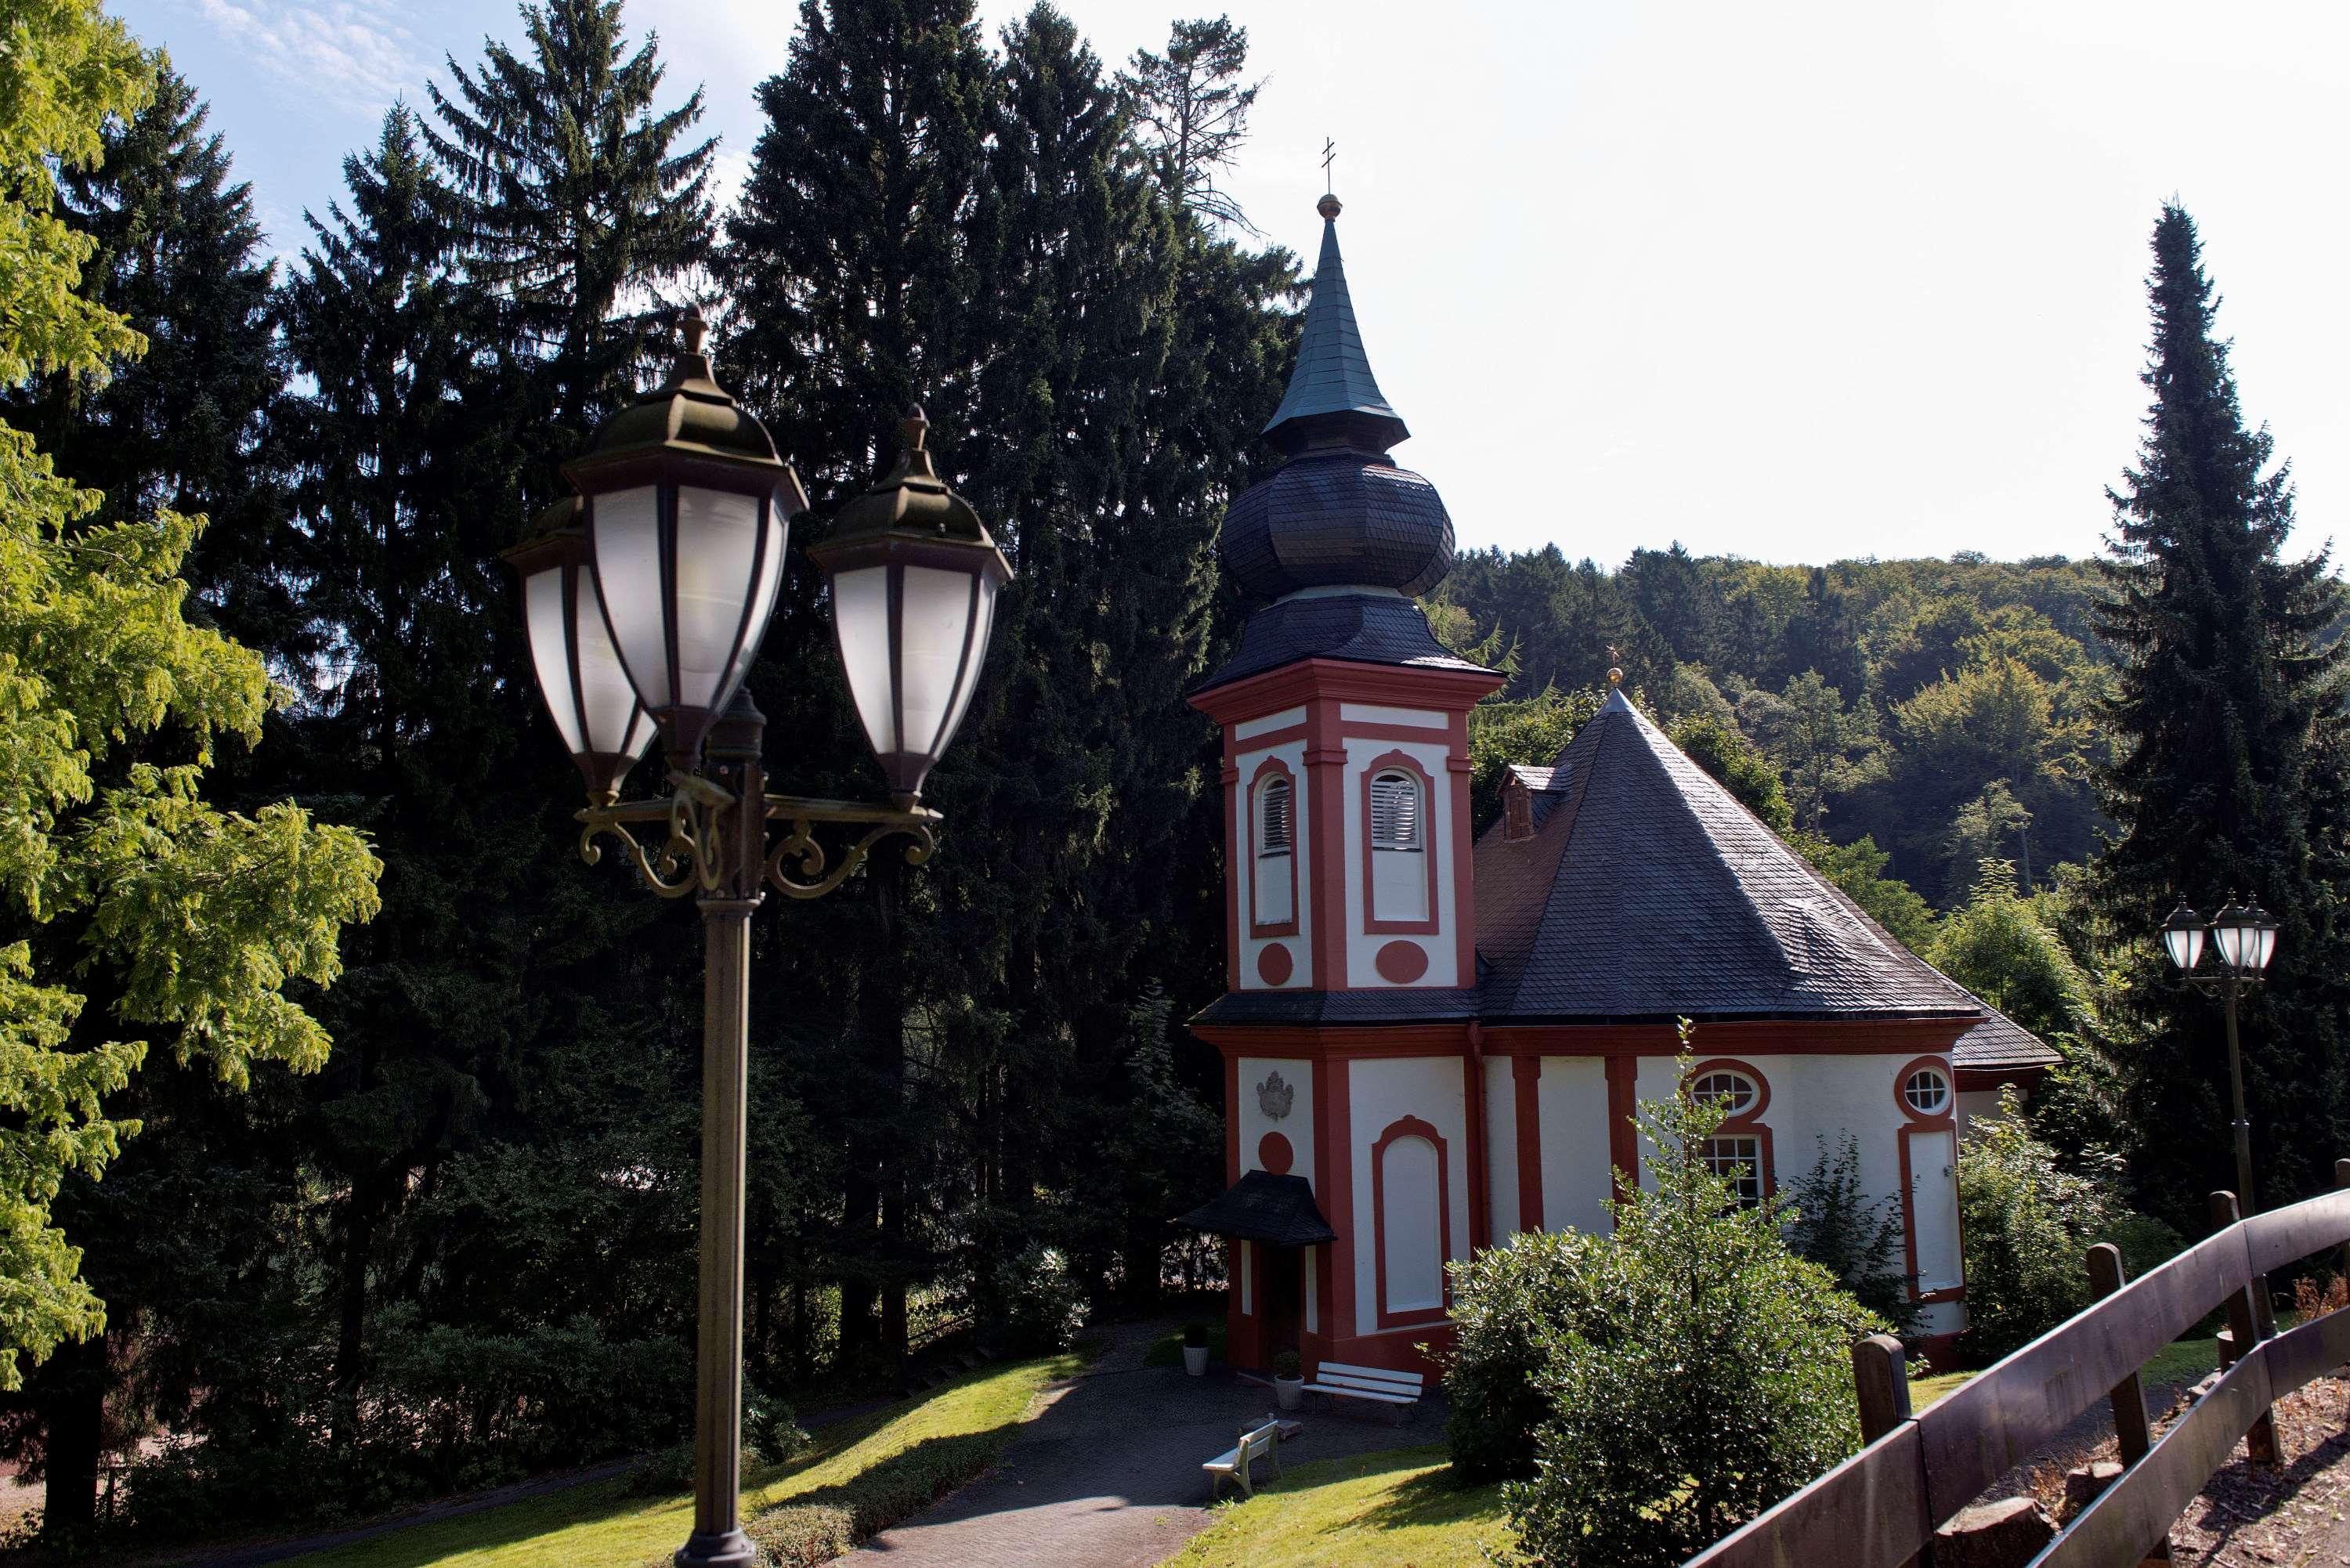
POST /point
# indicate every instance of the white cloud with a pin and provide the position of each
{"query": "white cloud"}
(355, 48)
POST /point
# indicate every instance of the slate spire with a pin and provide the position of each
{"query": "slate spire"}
(1332, 393)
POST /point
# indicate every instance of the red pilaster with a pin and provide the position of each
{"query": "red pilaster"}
(1326, 771)
(1525, 1074)
(1623, 1140)
(1334, 1160)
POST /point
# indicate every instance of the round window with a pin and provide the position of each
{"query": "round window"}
(1927, 1092)
(1734, 1091)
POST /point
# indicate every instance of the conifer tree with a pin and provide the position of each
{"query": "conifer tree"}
(1191, 109)
(2228, 772)
(581, 203)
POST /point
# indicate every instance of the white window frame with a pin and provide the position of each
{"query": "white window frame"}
(1265, 849)
(1737, 1158)
(1744, 1095)
(1417, 843)
(1941, 1100)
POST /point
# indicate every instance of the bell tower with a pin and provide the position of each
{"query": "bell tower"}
(1345, 773)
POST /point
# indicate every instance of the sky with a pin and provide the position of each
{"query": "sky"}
(1797, 283)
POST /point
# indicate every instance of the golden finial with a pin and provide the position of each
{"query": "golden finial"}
(1615, 674)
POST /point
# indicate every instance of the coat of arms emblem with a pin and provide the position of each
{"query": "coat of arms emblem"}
(1274, 1096)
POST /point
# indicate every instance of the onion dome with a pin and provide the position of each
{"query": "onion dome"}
(1340, 512)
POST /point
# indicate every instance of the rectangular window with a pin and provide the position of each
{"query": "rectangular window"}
(1738, 1161)
(1274, 828)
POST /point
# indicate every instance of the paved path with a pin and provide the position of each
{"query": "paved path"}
(1108, 1475)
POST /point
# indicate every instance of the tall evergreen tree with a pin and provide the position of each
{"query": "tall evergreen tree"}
(582, 203)
(1191, 109)
(2229, 767)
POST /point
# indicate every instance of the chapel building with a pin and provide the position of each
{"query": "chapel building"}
(1433, 1038)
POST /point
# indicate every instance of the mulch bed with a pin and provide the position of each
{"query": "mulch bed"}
(2295, 1515)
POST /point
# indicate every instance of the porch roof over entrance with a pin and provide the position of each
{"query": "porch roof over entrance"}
(1278, 1210)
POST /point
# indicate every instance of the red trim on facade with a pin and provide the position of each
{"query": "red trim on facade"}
(1384, 685)
(1231, 1120)
(1334, 1158)
(1231, 778)
(1401, 962)
(1525, 1075)
(1273, 767)
(1746, 1070)
(1753, 1036)
(1267, 738)
(1316, 1042)
(1403, 1127)
(1325, 770)
(1973, 1080)
(1404, 762)
(1949, 1090)
(1274, 1155)
(1274, 964)
(1623, 1138)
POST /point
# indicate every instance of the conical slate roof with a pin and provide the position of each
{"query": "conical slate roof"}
(1647, 892)
(1332, 390)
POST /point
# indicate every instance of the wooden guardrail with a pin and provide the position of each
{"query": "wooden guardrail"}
(1879, 1509)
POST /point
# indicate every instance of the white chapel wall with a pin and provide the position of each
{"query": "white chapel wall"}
(1298, 1126)
(1572, 1095)
(1381, 1091)
(1501, 1147)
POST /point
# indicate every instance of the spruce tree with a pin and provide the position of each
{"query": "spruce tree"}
(2227, 776)
(581, 205)
(1191, 110)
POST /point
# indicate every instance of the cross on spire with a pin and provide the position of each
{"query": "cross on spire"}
(1329, 152)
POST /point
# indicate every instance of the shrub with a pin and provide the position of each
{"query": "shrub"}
(1853, 1237)
(666, 1471)
(1195, 1335)
(1508, 1303)
(2028, 1225)
(803, 1535)
(1044, 1305)
(773, 1426)
(1693, 1370)
(1286, 1364)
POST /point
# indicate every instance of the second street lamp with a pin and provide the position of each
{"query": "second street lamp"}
(2243, 940)
(686, 505)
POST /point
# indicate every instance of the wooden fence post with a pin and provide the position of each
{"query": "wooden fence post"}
(2342, 1179)
(1880, 1385)
(2260, 1443)
(2131, 1430)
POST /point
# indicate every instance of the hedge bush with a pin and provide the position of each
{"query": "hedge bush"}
(1508, 1303)
(803, 1535)
(2028, 1225)
(856, 1510)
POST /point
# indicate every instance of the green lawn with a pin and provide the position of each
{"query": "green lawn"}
(1394, 1509)
(603, 1526)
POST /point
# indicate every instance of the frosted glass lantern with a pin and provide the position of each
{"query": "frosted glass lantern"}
(2182, 937)
(588, 694)
(914, 577)
(2245, 937)
(688, 507)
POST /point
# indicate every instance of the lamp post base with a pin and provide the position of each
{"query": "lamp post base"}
(729, 1549)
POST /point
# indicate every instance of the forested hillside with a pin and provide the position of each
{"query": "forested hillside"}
(1942, 709)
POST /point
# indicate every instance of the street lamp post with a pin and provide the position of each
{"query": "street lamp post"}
(645, 598)
(2243, 940)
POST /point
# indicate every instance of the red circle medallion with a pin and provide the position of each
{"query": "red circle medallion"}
(1273, 964)
(1400, 963)
(1274, 1153)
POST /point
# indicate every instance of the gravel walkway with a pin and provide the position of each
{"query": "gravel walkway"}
(1107, 1475)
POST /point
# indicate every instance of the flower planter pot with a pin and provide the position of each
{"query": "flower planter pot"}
(1290, 1392)
(1195, 1360)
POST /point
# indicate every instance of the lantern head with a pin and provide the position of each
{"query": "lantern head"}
(913, 576)
(2182, 937)
(2235, 933)
(686, 507)
(580, 676)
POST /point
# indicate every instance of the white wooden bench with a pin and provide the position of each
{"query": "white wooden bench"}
(1234, 1464)
(1400, 1391)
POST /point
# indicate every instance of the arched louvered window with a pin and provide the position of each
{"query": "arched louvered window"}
(1396, 811)
(1275, 826)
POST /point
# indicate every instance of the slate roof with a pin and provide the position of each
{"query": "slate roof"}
(1998, 1043)
(1376, 1004)
(1331, 388)
(1363, 628)
(1262, 1207)
(1333, 518)
(1647, 892)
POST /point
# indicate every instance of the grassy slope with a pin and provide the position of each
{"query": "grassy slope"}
(603, 1526)
(1379, 1511)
